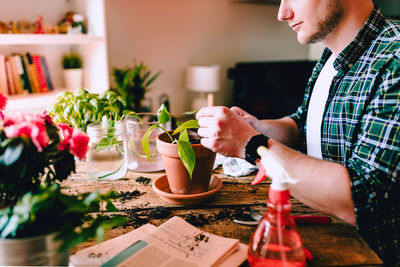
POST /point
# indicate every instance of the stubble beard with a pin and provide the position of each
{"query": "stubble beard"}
(334, 16)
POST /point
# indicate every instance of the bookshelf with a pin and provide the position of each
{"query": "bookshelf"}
(91, 46)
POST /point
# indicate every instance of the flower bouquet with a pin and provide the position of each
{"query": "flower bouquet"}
(32, 151)
(36, 154)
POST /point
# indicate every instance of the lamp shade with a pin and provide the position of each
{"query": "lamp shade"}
(202, 78)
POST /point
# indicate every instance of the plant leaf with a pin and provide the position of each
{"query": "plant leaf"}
(191, 112)
(163, 115)
(184, 136)
(145, 140)
(192, 124)
(12, 152)
(187, 155)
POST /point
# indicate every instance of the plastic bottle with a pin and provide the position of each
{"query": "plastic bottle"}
(276, 241)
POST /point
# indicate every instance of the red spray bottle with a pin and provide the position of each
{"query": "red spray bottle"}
(276, 241)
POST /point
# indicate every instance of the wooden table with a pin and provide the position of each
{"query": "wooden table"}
(337, 244)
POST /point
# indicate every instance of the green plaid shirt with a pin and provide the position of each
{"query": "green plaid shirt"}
(361, 129)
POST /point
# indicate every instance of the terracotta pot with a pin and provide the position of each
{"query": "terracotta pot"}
(177, 175)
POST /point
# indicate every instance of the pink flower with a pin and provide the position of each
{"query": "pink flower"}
(66, 133)
(3, 102)
(73, 139)
(28, 126)
(79, 143)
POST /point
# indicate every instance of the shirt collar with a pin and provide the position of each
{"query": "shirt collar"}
(347, 58)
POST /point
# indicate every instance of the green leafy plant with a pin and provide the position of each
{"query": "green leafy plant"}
(132, 84)
(71, 61)
(81, 108)
(185, 150)
(72, 218)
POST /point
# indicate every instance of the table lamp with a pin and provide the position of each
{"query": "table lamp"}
(203, 79)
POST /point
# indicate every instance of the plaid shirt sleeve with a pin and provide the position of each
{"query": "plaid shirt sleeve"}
(378, 146)
(374, 166)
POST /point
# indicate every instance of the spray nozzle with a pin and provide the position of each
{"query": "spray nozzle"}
(276, 170)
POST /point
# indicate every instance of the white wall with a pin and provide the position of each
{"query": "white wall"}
(169, 35)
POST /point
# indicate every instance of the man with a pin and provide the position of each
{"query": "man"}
(348, 124)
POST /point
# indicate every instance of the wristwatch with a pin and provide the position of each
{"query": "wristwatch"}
(250, 150)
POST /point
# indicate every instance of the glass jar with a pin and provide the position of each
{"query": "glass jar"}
(107, 157)
(137, 159)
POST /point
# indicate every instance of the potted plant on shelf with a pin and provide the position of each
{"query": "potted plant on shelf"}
(101, 116)
(187, 163)
(38, 222)
(132, 83)
(72, 70)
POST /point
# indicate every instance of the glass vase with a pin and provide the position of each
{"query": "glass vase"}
(107, 157)
(137, 159)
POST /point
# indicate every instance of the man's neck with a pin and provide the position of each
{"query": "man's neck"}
(355, 15)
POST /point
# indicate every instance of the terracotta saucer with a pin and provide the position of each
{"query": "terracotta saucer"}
(161, 187)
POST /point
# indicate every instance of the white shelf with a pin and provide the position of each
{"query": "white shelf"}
(48, 39)
(34, 102)
(92, 46)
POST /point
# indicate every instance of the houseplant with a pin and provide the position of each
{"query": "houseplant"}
(81, 108)
(38, 222)
(132, 84)
(101, 115)
(187, 163)
(72, 70)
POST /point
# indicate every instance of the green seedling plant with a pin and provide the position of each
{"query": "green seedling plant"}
(185, 150)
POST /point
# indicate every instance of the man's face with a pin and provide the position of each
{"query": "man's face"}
(313, 20)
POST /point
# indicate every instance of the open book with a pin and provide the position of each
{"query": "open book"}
(174, 243)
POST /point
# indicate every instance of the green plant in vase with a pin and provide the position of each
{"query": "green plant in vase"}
(101, 116)
(81, 108)
(72, 70)
(132, 83)
(71, 61)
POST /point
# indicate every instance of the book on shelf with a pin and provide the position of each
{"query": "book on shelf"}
(33, 77)
(40, 74)
(46, 72)
(24, 73)
(173, 243)
(17, 71)
(10, 80)
(3, 75)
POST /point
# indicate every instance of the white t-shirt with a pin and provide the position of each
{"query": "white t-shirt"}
(316, 108)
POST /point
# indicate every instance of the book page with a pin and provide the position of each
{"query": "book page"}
(103, 252)
(185, 243)
(174, 243)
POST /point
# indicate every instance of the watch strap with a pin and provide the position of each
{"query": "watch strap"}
(250, 150)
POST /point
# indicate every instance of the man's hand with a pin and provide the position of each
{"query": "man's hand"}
(224, 130)
(248, 117)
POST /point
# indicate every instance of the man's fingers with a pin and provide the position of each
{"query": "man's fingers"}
(208, 143)
(217, 112)
(207, 122)
(239, 111)
(206, 112)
